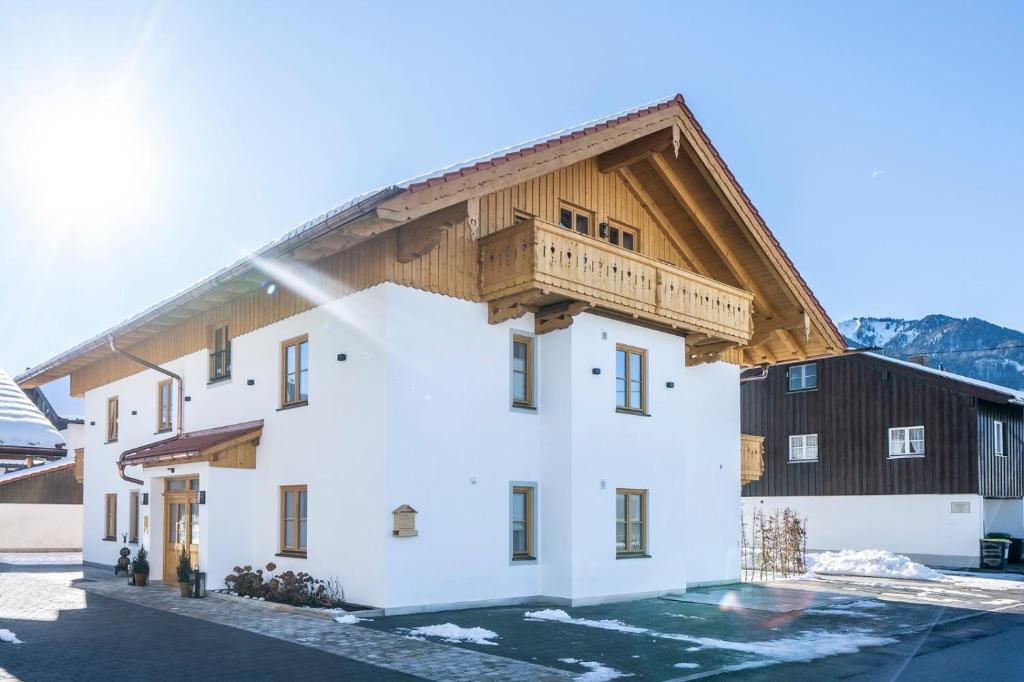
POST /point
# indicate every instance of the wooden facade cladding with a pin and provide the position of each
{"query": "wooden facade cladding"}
(80, 464)
(54, 486)
(537, 264)
(856, 402)
(1001, 475)
(751, 458)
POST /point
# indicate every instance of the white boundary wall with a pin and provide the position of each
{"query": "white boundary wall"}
(923, 527)
(40, 527)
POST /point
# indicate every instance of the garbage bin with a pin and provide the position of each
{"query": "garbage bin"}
(1016, 551)
(994, 553)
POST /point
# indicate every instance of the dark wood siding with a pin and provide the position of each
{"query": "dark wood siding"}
(1001, 476)
(56, 487)
(855, 404)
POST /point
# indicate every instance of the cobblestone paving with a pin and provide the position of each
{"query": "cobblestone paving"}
(40, 595)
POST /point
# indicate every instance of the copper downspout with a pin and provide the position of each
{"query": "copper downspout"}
(181, 403)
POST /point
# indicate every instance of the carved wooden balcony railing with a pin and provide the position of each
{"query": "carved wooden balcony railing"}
(751, 458)
(554, 272)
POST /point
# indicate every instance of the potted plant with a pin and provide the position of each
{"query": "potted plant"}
(185, 572)
(140, 567)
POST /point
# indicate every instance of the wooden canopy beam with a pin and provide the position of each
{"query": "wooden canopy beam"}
(557, 316)
(637, 150)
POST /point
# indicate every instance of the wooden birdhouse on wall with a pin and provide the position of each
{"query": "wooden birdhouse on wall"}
(405, 522)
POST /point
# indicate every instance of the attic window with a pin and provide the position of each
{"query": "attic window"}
(220, 353)
(578, 219)
(625, 237)
(803, 377)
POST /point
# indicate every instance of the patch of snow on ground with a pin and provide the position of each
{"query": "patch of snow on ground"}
(805, 646)
(8, 636)
(876, 563)
(854, 608)
(453, 634)
(348, 619)
(40, 558)
(595, 671)
(686, 666)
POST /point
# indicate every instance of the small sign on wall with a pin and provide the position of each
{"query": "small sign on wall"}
(959, 507)
(405, 522)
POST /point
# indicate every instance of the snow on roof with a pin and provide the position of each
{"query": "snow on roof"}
(21, 422)
(1013, 396)
(61, 463)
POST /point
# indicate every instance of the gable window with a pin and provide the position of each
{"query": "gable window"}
(112, 419)
(110, 517)
(522, 371)
(220, 353)
(999, 446)
(906, 441)
(803, 377)
(630, 379)
(522, 523)
(295, 371)
(163, 406)
(626, 237)
(577, 219)
(293, 519)
(803, 448)
(630, 522)
(133, 516)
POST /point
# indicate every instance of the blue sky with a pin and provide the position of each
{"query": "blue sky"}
(245, 119)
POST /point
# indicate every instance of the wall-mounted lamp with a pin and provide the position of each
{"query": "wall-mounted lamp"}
(342, 357)
(596, 370)
(134, 413)
(145, 499)
(92, 423)
(188, 399)
(202, 497)
(670, 384)
(170, 469)
(250, 382)
(604, 230)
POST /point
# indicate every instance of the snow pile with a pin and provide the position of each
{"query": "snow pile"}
(561, 616)
(21, 422)
(686, 666)
(8, 636)
(453, 634)
(876, 563)
(66, 461)
(348, 619)
(596, 671)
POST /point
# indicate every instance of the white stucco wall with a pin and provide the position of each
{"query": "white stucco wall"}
(40, 527)
(921, 526)
(1005, 516)
(419, 414)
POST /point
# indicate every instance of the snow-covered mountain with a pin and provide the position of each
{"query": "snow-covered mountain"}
(936, 335)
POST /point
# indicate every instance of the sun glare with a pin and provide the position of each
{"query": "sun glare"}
(85, 164)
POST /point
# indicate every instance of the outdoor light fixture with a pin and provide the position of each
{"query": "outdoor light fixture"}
(134, 412)
(202, 497)
(670, 384)
(342, 357)
(596, 370)
(604, 230)
(145, 499)
(250, 382)
(188, 399)
(199, 584)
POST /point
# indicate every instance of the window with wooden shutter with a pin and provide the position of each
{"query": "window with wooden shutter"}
(112, 419)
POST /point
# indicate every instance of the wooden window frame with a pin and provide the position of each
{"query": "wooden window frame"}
(133, 516)
(642, 494)
(297, 551)
(530, 491)
(113, 416)
(221, 353)
(907, 440)
(576, 211)
(803, 378)
(110, 516)
(642, 352)
(999, 439)
(161, 425)
(530, 373)
(296, 343)
(622, 229)
(803, 447)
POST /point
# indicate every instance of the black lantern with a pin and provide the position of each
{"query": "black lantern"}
(198, 584)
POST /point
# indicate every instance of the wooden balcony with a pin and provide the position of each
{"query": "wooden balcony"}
(751, 458)
(546, 269)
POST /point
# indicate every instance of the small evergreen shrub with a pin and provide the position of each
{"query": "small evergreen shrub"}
(140, 564)
(184, 565)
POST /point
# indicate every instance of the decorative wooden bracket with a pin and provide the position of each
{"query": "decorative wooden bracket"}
(420, 236)
(637, 150)
(511, 307)
(707, 352)
(557, 316)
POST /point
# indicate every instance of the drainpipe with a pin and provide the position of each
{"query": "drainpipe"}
(181, 401)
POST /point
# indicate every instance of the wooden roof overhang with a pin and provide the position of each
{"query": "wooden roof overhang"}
(26, 474)
(659, 150)
(27, 452)
(231, 446)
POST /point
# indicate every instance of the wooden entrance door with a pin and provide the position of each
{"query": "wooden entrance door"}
(181, 524)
